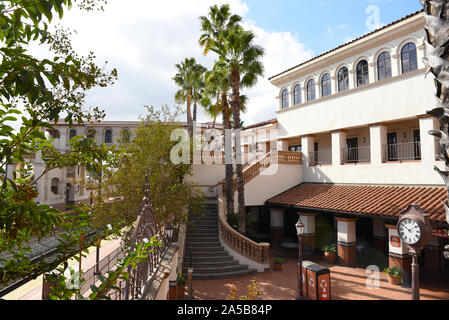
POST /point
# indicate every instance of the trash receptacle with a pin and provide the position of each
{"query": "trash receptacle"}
(318, 281)
(305, 266)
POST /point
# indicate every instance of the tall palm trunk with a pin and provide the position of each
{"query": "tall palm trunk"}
(189, 115)
(437, 29)
(229, 164)
(236, 107)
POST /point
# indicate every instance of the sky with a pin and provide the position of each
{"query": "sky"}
(144, 39)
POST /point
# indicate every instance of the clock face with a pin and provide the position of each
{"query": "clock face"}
(409, 231)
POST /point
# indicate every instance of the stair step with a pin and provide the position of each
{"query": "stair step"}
(222, 275)
(195, 244)
(218, 269)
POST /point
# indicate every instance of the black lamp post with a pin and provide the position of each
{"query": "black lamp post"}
(169, 231)
(300, 233)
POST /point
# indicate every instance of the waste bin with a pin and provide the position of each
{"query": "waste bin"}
(316, 281)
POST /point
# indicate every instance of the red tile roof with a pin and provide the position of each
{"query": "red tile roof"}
(387, 201)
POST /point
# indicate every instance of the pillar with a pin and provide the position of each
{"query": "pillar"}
(338, 146)
(346, 234)
(398, 253)
(395, 65)
(277, 226)
(378, 137)
(307, 149)
(372, 71)
(428, 142)
(308, 219)
(282, 145)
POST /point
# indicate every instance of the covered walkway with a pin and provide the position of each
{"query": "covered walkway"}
(347, 284)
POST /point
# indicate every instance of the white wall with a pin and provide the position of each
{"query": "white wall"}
(401, 99)
(272, 182)
(386, 173)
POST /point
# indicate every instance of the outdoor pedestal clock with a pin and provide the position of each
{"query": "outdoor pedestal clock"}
(415, 231)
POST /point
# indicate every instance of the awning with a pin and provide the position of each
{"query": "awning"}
(380, 200)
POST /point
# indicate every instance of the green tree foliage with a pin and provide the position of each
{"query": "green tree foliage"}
(148, 153)
(38, 93)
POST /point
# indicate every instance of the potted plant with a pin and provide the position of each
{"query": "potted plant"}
(330, 253)
(278, 263)
(181, 286)
(394, 275)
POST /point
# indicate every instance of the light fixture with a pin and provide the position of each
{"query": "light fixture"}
(299, 228)
(169, 230)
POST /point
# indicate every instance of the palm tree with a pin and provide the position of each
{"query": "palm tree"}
(437, 20)
(218, 84)
(223, 34)
(243, 59)
(189, 79)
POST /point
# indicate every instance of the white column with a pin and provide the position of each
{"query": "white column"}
(347, 240)
(282, 145)
(378, 137)
(352, 79)
(308, 219)
(395, 65)
(372, 71)
(428, 142)
(338, 145)
(307, 149)
(421, 53)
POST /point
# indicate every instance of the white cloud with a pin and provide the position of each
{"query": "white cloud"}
(145, 39)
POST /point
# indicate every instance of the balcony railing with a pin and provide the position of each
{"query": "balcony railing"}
(403, 151)
(320, 157)
(357, 155)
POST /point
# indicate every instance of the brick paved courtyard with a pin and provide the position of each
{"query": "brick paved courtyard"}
(347, 284)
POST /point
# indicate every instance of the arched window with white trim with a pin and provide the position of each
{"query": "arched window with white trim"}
(326, 88)
(311, 95)
(343, 79)
(297, 94)
(362, 73)
(409, 58)
(384, 66)
(284, 97)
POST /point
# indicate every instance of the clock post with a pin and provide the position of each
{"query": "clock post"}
(415, 230)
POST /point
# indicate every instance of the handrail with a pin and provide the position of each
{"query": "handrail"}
(257, 252)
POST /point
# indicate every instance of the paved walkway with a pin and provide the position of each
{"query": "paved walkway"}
(33, 289)
(347, 284)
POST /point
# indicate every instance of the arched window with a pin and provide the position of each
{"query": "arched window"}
(91, 133)
(108, 136)
(126, 135)
(285, 99)
(55, 185)
(409, 58)
(362, 73)
(384, 66)
(326, 89)
(297, 95)
(72, 134)
(343, 79)
(311, 90)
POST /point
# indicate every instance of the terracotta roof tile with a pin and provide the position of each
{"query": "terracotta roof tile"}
(363, 199)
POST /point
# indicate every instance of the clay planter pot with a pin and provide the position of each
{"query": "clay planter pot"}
(330, 257)
(180, 293)
(277, 267)
(394, 280)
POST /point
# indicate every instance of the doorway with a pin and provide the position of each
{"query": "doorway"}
(353, 150)
(392, 141)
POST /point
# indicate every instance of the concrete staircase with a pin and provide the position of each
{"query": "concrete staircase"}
(204, 252)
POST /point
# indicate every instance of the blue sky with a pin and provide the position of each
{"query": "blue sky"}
(311, 20)
(145, 44)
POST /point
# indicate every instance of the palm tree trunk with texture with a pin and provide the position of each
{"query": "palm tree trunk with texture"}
(436, 13)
